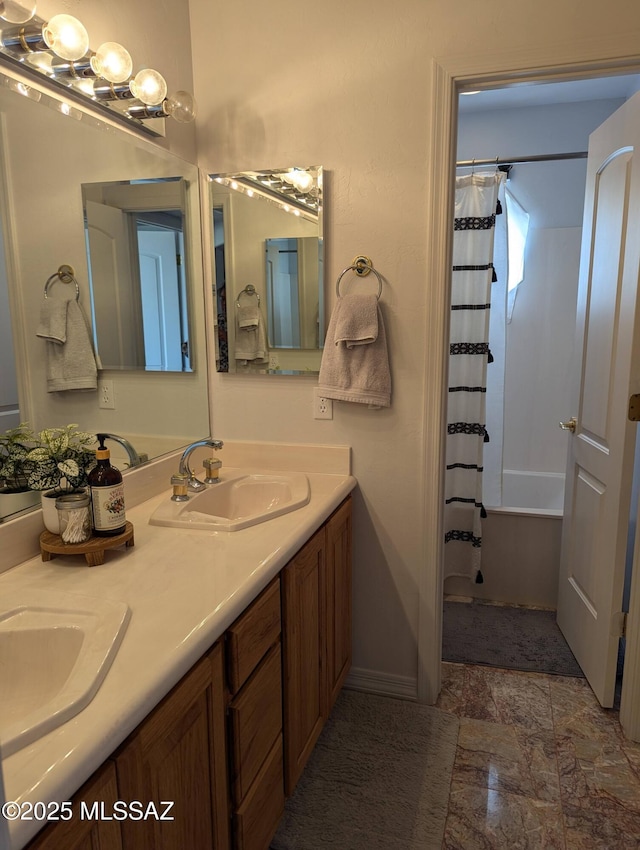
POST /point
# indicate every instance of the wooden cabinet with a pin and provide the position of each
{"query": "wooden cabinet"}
(235, 733)
(316, 636)
(87, 834)
(178, 754)
(254, 670)
(339, 598)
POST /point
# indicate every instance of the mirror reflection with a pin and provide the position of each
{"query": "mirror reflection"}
(135, 234)
(47, 156)
(268, 268)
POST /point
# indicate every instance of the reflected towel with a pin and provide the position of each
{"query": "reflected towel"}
(248, 316)
(251, 343)
(359, 371)
(71, 363)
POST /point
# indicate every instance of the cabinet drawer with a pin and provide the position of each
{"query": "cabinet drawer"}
(252, 634)
(256, 820)
(255, 716)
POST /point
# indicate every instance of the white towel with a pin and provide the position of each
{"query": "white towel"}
(248, 315)
(71, 363)
(356, 368)
(251, 343)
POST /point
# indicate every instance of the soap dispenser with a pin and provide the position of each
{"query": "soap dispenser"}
(107, 494)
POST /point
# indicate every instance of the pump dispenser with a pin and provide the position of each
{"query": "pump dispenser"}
(107, 494)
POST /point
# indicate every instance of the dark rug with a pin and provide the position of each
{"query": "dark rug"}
(506, 636)
(378, 779)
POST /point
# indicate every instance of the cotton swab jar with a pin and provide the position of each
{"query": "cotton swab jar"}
(74, 517)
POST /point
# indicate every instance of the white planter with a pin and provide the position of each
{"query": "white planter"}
(11, 502)
(49, 512)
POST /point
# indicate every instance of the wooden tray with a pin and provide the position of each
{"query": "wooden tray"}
(93, 549)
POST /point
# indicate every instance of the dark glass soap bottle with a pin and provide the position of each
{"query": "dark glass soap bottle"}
(107, 494)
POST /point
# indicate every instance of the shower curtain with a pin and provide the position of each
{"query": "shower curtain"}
(473, 272)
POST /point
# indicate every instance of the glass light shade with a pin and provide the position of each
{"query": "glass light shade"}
(112, 62)
(181, 106)
(66, 36)
(17, 13)
(149, 87)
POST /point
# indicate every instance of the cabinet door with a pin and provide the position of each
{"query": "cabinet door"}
(87, 834)
(338, 600)
(303, 637)
(169, 758)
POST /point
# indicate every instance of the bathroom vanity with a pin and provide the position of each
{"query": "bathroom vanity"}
(257, 639)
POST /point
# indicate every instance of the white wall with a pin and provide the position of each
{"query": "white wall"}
(348, 86)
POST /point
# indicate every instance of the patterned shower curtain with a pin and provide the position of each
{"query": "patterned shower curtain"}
(473, 272)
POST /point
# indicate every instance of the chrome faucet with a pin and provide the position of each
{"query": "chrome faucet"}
(134, 458)
(185, 472)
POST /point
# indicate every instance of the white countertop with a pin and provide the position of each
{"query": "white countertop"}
(184, 588)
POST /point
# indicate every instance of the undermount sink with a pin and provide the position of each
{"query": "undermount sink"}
(55, 650)
(238, 501)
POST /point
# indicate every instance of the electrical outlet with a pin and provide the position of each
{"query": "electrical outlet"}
(322, 407)
(106, 397)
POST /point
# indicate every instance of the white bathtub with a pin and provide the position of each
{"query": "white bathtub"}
(531, 493)
(520, 543)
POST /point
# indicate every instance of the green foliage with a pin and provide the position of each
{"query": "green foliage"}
(60, 458)
(15, 445)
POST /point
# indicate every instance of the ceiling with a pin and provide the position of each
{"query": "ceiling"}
(543, 94)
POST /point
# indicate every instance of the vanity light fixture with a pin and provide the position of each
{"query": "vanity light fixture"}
(58, 49)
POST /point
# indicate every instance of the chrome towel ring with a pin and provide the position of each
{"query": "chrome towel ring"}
(67, 275)
(361, 266)
(248, 290)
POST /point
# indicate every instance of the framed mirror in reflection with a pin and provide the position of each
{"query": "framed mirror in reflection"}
(135, 233)
(48, 157)
(267, 233)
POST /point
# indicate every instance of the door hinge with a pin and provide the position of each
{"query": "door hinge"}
(620, 624)
(634, 408)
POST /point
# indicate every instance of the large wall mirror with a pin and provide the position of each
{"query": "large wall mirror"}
(55, 162)
(268, 270)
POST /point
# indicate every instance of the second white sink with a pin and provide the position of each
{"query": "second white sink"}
(238, 501)
(55, 650)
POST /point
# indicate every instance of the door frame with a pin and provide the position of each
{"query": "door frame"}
(593, 58)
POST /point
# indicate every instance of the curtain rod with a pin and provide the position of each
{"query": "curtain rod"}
(545, 157)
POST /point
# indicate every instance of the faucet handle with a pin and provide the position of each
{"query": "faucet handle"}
(212, 467)
(180, 482)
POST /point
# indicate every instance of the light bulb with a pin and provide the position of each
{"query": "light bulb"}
(149, 87)
(66, 36)
(302, 180)
(113, 62)
(181, 106)
(17, 13)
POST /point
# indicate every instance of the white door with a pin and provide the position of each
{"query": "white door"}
(601, 450)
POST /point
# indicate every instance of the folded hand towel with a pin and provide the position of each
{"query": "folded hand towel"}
(248, 315)
(251, 343)
(356, 320)
(71, 363)
(53, 320)
(359, 372)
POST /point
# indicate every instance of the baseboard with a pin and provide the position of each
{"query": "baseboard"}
(383, 684)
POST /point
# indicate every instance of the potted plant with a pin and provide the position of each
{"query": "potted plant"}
(59, 462)
(15, 493)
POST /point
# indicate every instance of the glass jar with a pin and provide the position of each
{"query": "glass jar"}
(74, 517)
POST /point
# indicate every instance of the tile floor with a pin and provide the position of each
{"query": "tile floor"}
(539, 765)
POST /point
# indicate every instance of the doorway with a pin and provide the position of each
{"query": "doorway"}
(448, 75)
(529, 382)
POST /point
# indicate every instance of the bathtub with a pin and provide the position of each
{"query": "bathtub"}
(520, 543)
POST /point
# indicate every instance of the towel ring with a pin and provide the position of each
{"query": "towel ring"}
(67, 275)
(356, 269)
(248, 290)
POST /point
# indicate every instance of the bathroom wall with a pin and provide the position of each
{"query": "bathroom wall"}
(348, 86)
